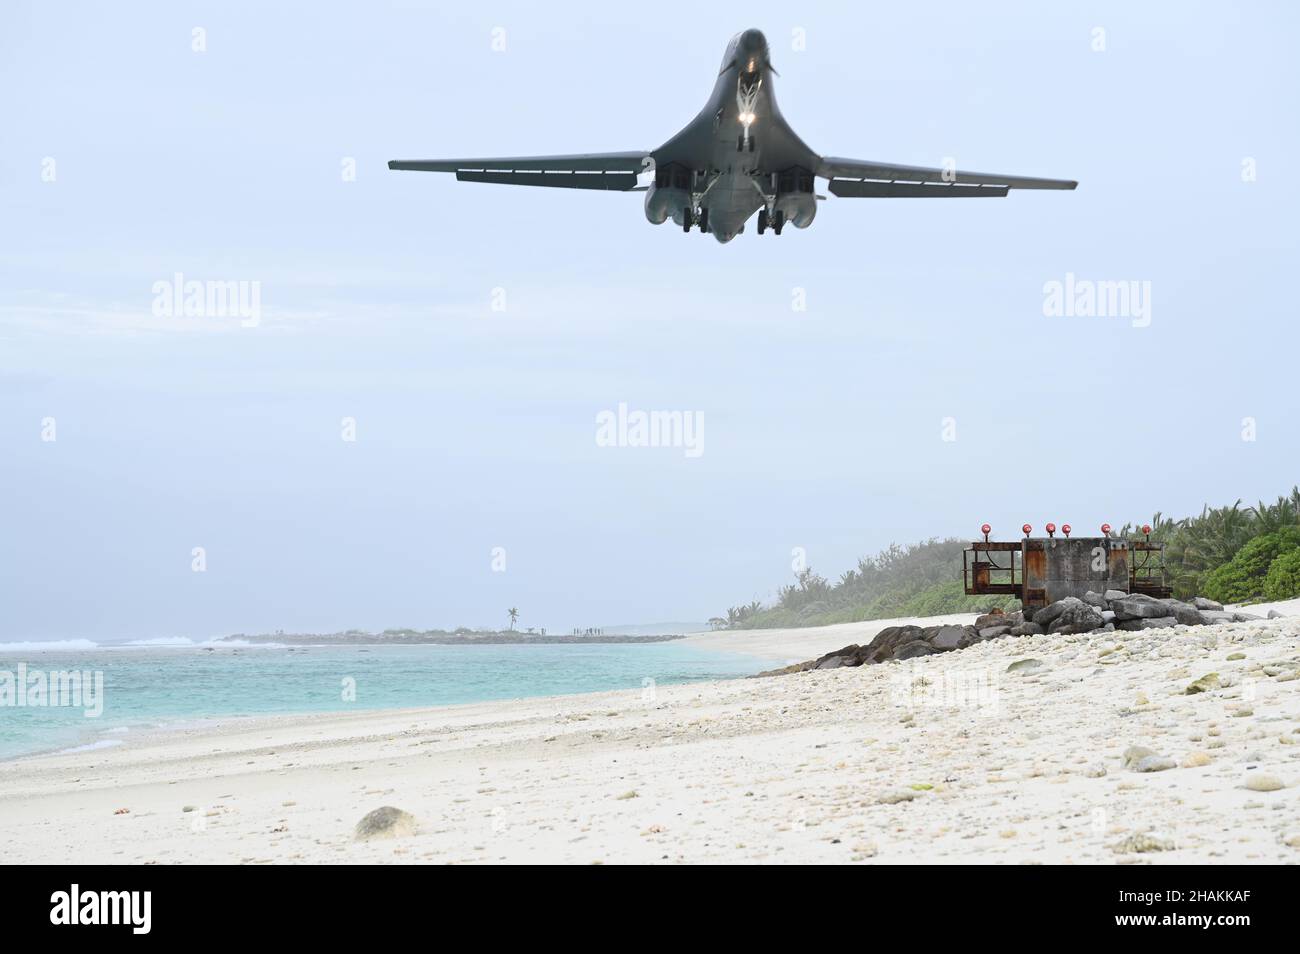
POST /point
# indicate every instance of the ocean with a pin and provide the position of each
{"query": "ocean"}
(177, 683)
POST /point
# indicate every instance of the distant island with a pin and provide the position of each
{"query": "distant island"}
(440, 637)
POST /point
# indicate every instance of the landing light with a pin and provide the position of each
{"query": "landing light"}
(747, 118)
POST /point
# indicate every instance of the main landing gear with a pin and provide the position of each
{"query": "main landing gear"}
(776, 220)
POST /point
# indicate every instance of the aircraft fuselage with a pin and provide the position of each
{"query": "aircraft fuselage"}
(739, 132)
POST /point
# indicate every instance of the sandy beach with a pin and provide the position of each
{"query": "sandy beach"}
(944, 758)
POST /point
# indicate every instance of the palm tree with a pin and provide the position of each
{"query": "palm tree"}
(514, 615)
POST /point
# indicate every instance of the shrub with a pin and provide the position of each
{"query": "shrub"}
(1283, 580)
(1242, 578)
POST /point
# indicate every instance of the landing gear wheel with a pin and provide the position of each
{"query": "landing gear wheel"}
(778, 221)
(762, 221)
(688, 219)
(704, 220)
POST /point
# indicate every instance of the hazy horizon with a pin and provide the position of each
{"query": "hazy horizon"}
(477, 480)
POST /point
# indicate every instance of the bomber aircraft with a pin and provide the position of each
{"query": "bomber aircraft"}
(737, 157)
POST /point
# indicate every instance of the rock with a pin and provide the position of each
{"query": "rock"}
(1195, 760)
(1274, 614)
(1259, 782)
(851, 655)
(1141, 844)
(1112, 595)
(1027, 629)
(1154, 763)
(1206, 683)
(1138, 606)
(1077, 618)
(1233, 657)
(1108, 616)
(385, 822)
(1245, 618)
(1216, 616)
(1135, 753)
(991, 618)
(1184, 613)
(1045, 616)
(1201, 603)
(949, 637)
(1095, 770)
(913, 649)
(889, 639)
(896, 796)
(1159, 622)
(1094, 599)
(993, 632)
(1026, 666)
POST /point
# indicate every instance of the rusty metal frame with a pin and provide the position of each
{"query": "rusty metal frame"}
(975, 572)
(1147, 574)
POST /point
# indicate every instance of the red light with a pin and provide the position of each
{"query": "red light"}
(1105, 529)
(1065, 529)
(986, 529)
(1027, 529)
(1146, 528)
(1051, 528)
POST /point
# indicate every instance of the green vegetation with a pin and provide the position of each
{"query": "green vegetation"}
(923, 579)
(1232, 554)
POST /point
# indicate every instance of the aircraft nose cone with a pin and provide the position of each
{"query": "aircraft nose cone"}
(753, 41)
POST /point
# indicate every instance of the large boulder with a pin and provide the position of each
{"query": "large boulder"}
(1027, 629)
(1082, 618)
(1138, 606)
(947, 638)
(913, 649)
(888, 640)
(850, 655)
(1048, 614)
(1201, 603)
(997, 617)
(1158, 622)
(1112, 595)
(1095, 599)
(1185, 613)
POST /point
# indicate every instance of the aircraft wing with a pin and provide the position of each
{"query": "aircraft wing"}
(597, 170)
(857, 178)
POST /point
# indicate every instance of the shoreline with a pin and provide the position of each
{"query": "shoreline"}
(838, 765)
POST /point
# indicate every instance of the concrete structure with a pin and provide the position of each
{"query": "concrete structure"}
(1042, 570)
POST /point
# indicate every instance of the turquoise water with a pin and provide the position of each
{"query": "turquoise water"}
(151, 686)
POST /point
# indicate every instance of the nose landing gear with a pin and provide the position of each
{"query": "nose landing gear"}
(690, 217)
(776, 220)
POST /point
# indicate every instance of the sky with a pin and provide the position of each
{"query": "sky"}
(887, 375)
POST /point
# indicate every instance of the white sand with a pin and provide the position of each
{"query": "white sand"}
(849, 764)
(786, 646)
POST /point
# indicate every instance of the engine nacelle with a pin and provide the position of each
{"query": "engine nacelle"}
(796, 197)
(662, 203)
(669, 194)
(800, 208)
